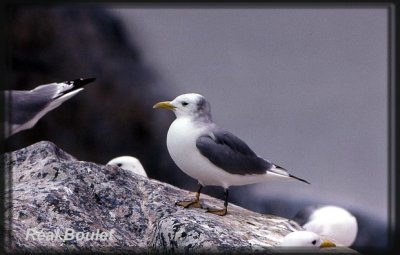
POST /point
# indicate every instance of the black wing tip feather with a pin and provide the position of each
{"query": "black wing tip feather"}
(297, 178)
(78, 83)
(279, 167)
(290, 175)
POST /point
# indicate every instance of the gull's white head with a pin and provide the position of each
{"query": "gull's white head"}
(128, 163)
(305, 239)
(187, 105)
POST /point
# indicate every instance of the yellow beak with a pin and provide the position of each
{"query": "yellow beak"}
(165, 105)
(326, 244)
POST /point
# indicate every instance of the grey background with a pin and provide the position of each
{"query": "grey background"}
(305, 88)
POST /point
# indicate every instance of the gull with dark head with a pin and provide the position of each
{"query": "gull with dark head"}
(210, 154)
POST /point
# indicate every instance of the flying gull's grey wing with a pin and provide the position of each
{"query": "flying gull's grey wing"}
(26, 104)
(24, 108)
(230, 153)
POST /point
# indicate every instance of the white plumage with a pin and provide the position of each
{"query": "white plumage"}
(334, 222)
(181, 144)
(128, 163)
(210, 154)
(305, 239)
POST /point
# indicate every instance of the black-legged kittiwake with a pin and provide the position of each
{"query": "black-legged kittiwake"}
(23, 108)
(128, 163)
(331, 221)
(210, 154)
(305, 239)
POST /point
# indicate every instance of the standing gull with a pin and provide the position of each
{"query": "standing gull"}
(128, 163)
(210, 154)
(24, 108)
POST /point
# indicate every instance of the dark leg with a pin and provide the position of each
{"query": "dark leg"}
(195, 203)
(221, 212)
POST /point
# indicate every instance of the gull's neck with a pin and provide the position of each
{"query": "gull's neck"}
(198, 120)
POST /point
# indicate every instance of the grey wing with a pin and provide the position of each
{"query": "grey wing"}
(24, 108)
(26, 104)
(230, 153)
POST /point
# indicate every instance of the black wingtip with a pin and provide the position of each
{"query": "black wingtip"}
(279, 167)
(78, 83)
(297, 178)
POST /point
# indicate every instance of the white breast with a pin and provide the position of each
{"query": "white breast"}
(181, 144)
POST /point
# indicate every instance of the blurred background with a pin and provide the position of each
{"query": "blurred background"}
(305, 87)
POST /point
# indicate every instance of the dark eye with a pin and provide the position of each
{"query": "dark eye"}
(184, 103)
(119, 164)
(314, 242)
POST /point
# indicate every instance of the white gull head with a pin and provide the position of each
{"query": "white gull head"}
(128, 163)
(305, 239)
(189, 105)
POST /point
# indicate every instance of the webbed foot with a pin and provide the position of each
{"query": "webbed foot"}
(220, 212)
(189, 204)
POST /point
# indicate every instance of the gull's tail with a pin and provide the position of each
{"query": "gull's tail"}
(280, 171)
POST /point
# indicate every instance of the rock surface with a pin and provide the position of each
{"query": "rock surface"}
(53, 192)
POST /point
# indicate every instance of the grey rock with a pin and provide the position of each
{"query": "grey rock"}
(53, 192)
